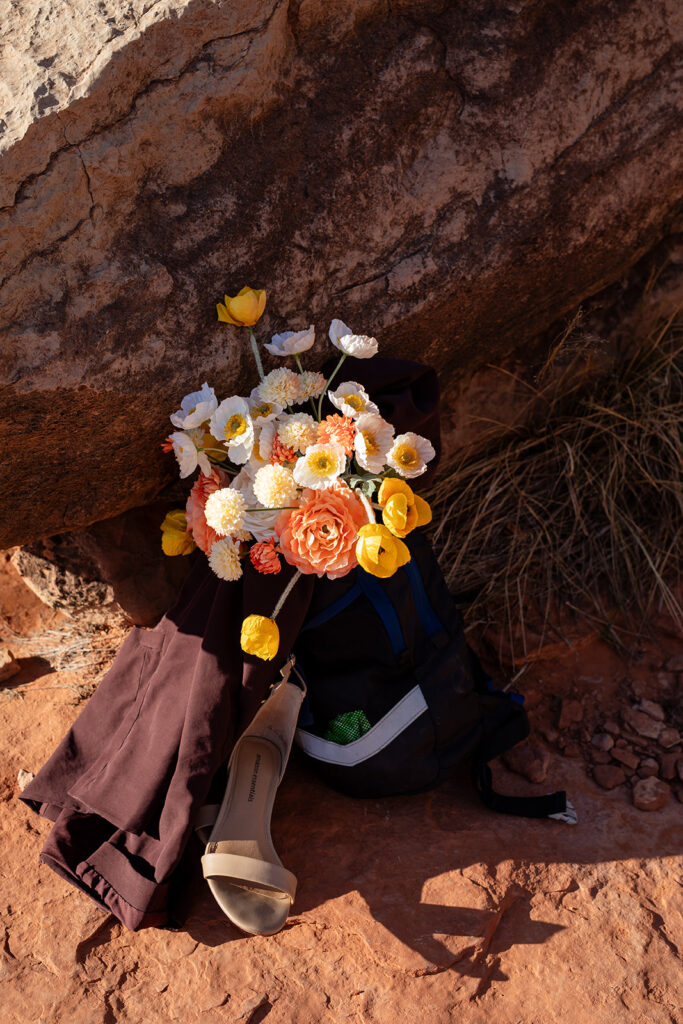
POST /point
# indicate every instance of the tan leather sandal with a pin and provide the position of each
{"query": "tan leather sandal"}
(247, 878)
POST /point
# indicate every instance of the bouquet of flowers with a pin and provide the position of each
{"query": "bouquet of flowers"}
(279, 480)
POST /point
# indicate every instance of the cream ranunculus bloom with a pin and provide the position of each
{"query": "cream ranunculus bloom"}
(188, 454)
(410, 454)
(195, 408)
(260, 524)
(358, 345)
(372, 442)
(291, 342)
(320, 465)
(224, 559)
(244, 309)
(224, 511)
(232, 424)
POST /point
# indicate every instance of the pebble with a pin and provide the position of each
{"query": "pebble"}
(571, 713)
(603, 741)
(648, 767)
(666, 680)
(609, 776)
(612, 728)
(650, 794)
(571, 749)
(626, 757)
(600, 756)
(668, 763)
(621, 742)
(652, 708)
(23, 778)
(642, 723)
(8, 665)
(528, 760)
(668, 737)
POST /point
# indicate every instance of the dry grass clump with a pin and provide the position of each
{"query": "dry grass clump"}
(578, 512)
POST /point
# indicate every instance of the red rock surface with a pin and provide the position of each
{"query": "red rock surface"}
(409, 909)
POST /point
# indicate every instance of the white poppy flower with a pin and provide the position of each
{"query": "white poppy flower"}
(352, 400)
(260, 411)
(410, 454)
(231, 424)
(195, 408)
(373, 440)
(260, 524)
(291, 342)
(358, 345)
(320, 465)
(188, 454)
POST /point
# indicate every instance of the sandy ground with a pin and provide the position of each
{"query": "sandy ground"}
(409, 909)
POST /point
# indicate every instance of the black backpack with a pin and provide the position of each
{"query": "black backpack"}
(393, 654)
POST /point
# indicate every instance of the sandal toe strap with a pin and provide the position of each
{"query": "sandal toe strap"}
(248, 869)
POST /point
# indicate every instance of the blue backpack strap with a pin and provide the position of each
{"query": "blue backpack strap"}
(385, 609)
(431, 623)
(333, 609)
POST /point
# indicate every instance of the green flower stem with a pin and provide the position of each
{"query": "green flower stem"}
(298, 362)
(327, 386)
(285, 594)
(276, 508)
(257, 355)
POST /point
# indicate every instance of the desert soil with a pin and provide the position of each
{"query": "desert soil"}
(424, 908)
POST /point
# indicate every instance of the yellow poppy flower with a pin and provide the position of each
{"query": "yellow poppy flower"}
(402, 510)
(244, 309)
(175, 537)
(379, 552)
(260, 636)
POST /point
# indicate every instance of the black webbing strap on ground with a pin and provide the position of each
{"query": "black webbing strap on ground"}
(523, 806)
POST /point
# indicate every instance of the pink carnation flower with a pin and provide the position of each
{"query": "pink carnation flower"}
(203, 534)
(320, 536)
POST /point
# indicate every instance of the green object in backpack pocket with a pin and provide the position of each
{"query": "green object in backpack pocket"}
(347, 727)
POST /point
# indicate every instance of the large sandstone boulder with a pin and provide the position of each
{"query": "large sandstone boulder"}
(450, 177)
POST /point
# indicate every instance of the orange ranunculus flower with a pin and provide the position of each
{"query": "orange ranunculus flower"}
(203, 486)
(260, 636)
(320, 536)
(244, 309)
(402, 510)
(379, 552)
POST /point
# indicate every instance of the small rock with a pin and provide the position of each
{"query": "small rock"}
(612, 728)
(600, 756)
(609, 776)
(571, 749)
(650, 794)
(8, 665)
(665, 680)
(603, 741)
(648, 767)
(528, 760)
(550, 734)
(642, 723)
(627, 757)
(651, 708)
(674, 663)
(668, 763)
(669, 737)
(679, 768)
(23, 779)
(621, 742)
(571, 713)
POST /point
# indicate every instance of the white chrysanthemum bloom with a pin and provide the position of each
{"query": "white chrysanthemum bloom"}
(195, 408)
(280, 387)
(188, 454)
(263, 444)
(320, 465)
(232, 424)
(260, 411)
(312, 384)
(352, 399)
(358, 345)
(224, 559)
(224, 511)
(373, 440)
(291, 342)
(410, 454)
(275, 487)
(260, 524)
(298, 431)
